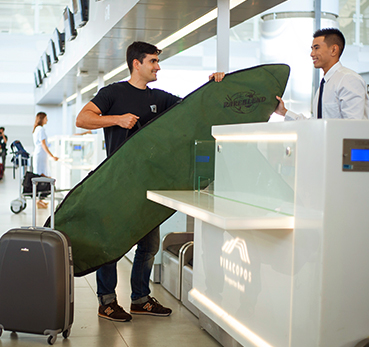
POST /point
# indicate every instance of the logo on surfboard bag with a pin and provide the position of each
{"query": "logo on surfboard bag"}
(244, 102)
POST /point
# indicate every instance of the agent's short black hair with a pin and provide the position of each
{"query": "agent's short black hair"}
(332, 36)
(138, 50)
(2, 128)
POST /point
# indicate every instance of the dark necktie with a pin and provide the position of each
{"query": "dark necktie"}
(320, 100)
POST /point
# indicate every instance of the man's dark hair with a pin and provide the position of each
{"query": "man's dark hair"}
(2, 128)
(138, 50)
(332, 36)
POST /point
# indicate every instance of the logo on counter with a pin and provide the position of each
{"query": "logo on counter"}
(235, 261)
(244, 102)
(239, 244)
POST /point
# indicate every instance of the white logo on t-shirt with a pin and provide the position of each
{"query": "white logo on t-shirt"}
(153, 108)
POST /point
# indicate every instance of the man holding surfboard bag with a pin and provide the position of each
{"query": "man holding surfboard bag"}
(121, 109)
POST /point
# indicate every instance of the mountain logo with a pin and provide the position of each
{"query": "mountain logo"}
(239, 244)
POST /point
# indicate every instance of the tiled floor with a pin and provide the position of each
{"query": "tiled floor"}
(180, 329)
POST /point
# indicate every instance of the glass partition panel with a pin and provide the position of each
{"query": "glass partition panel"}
(204, 154)
(257, 172)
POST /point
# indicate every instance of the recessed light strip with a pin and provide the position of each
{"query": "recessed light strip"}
(228, 320)
(256, 138)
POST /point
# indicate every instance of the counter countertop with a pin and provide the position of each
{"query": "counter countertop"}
(223, 213)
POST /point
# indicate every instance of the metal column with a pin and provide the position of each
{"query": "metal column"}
(223, 25)
(318, 24)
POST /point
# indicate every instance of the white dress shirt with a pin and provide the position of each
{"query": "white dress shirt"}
(344, 96)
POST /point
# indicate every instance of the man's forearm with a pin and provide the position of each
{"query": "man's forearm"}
(89, 120)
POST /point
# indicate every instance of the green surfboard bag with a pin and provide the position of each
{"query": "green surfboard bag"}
(107, 213)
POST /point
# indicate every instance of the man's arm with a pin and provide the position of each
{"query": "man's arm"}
(352, 96)
(282, 111)
(90, 118)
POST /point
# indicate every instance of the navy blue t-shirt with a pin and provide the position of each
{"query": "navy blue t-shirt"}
(120, 98)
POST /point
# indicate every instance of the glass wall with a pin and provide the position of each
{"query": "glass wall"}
(260, 40)
(355, 32)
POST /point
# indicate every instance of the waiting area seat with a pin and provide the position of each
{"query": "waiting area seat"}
(174, 245)
(187, 275)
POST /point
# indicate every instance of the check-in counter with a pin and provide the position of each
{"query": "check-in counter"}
(280, 239)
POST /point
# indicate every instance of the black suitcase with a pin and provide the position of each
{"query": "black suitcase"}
(36, 278)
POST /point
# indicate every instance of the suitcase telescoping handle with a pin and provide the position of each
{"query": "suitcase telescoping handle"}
(35, 181)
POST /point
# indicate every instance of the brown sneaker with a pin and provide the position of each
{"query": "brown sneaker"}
(114, 312)
(150, 307)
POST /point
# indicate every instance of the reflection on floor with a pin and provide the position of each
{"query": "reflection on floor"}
(179, 329)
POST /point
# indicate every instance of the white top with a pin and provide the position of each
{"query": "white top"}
(39, 154)
(223, 213)
(344, 96)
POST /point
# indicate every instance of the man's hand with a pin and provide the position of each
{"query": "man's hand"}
(127, 120)
(217, 76)
(280, 109)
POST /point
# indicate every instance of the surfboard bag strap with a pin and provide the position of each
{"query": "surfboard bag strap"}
(107, 213)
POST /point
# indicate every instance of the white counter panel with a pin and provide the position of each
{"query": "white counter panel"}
(248, 274)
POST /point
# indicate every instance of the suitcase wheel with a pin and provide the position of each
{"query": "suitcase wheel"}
(66, 333)
(51, 339)
(18, 205)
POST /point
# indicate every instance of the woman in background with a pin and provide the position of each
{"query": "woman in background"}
(41, 150)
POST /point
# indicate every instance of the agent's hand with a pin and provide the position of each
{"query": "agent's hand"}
(280, 109)
(127, 120)
(217, 76)
(55, 158)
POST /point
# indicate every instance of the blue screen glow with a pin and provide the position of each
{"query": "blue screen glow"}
(360, 155)
(202, 159)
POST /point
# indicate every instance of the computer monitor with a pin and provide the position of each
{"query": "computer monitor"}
(38, 79)
(46, 63)
(69, 28)
(80, 12)
(52, 52)
(59, 42)
(40, 66)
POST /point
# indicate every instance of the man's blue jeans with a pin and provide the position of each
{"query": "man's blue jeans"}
(106, 276)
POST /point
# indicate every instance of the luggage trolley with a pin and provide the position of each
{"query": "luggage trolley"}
(20, 161)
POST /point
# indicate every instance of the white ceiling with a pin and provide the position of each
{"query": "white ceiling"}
(151, 21)
(32, 17)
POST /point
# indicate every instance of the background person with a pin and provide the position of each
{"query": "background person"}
(41, 150)
(344, 92)
(3, 141)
